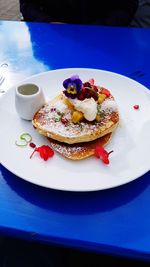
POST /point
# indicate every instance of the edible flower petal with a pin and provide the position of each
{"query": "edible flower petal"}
(45, 152)
(101, 153)
(72, 86)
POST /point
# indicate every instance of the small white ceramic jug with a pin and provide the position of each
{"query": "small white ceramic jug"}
(28, 99)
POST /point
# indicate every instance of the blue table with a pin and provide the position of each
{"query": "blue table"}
(114, 221)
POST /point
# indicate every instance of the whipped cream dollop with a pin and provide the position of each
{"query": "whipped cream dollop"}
(87, 106)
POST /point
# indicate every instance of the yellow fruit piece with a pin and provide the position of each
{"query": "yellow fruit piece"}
(98, 117)
(68, 104)
(101, 98)
(77, 116)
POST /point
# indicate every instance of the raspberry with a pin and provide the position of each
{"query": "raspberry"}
(87, 84)
(95, 88)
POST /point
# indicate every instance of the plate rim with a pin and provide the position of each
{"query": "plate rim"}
(73, 69)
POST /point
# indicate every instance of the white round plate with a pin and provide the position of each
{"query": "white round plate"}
(130, 142)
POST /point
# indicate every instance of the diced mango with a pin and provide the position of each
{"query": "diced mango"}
(77, 116)
(68, 104)
(101, 98)
(98, 117)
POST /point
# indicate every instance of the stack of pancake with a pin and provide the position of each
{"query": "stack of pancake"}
(76, 140)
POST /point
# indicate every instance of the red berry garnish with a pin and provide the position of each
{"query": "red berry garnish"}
(88, 92)
(88, 95)
(64, 120)
(91, 81)
(53, 109)
(105, 92)
(95, 88)
(87, 84)
(83, 90)
(136, 106)
(32, 145)
(81, 96)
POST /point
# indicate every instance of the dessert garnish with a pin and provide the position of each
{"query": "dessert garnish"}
(32, 145)
(82, 116)
(72, 86)
(105, 91)
(136, 106)
(25, 138)
(85, 99)
(44, 151)
(101, 153)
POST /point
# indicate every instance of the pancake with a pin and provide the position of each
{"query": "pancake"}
(53, 120)
(81, 150)
(80, 118)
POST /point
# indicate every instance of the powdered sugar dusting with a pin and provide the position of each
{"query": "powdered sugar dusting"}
(80, 150)
(52, 116)
(68, 151)
(50, 119)
(108, 106)
(60, 106)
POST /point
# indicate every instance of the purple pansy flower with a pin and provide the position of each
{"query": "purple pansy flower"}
(72, 86)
